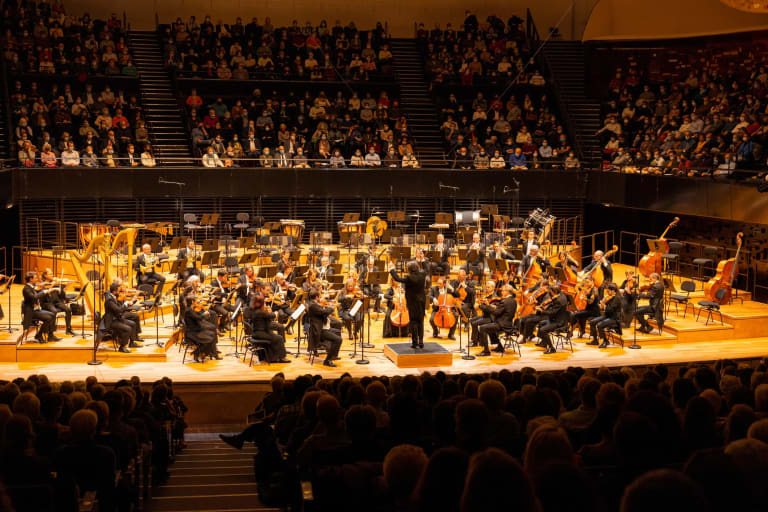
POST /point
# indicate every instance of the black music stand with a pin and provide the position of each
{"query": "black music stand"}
(178, 266)
(7, 286)
(389, 234)
(462, 319)
(401, 254)
(210, 258)
(247, 242)
(248, 258)
(210, 244)
(81, 298)
(394, 218)
(179, 242)
(267, 272)
(430, 237)
(209, 220)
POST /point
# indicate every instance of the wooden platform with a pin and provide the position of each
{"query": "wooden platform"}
(433, 355)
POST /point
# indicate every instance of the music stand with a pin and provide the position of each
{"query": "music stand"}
(248, 257)
(7, 286)
(430, 237)
(389, 234)
(444, 218)
(178, 266)
(247, 242)
(210, 258)
(363, 345)
(210, 244)
(394, 218)
(267, 272)
(463, 320)
(179, 242)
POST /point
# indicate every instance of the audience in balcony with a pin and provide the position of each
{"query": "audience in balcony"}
(59, 441)
(255, 50)
(688, 111)
(287, 130)
(587, 439)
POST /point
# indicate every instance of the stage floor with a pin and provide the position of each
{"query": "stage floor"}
(744, 335)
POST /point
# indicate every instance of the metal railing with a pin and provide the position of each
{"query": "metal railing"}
(712, 172)
(600, 241)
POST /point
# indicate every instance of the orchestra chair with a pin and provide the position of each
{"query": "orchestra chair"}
(509, 338)
(34, 324)
(617, 333)
(242, 219)
(146, 290)
(256, 222)
(712, 306)
(708, 258)
(314, 345)
(563, 335)
(678, 298)
(255, 346)
(185, 343)
(102, 333)
(671, 260)
(191, 225)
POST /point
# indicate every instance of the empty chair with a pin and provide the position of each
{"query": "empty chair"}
(242, 222)
(672, 258)
(678, 298)
(190, 224)
(709, 254)
(711, 306)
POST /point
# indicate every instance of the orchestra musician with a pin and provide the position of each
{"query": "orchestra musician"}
(322, 331)
(609, 319)
(200, 329)
(531, 256)
(370, 290)
(114, 318)
(55, 300)
(529, 322)
(245, 286)
(421, 260)
(145, 269)
(325, 271)
(588, 292)
(566, 260)
(130, 315)
(556, 313)
(499, 253)
(222, 293)
(502, 319)
(655, 307)
(310, 281)
(415, 299)
(283, 294)
(31, 310)
(347, 299)
(325, 253)
(262, 324)
(389, 330)
(3, 279)
(599, 259)
(463, 285)
(443, 266)
(628, 294)
(485, 309)
(434, 296)
(530, 241)
(476, 261)
(188, 253)
(285, 266)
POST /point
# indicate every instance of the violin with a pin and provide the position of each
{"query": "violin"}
(444, 318)
(652, 261)
(727, 270)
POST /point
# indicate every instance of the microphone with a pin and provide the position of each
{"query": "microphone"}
(440, 184)
(166, 182)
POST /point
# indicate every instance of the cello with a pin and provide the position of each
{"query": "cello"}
(399, 316)
(444, 318)
(726, 272)
(652, 262)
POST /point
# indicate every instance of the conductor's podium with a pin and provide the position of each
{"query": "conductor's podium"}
(432, 355)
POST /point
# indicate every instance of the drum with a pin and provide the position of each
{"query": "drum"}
(467, 217)
(293, 228)
(351, 227)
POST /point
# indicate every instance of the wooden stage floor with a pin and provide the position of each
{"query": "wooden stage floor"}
(744, 335)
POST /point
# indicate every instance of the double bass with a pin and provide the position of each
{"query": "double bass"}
(652, 262)
(597, 271)
(726, 272)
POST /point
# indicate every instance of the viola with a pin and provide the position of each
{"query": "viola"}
(652, 261)
(727, 270)
(444, 318)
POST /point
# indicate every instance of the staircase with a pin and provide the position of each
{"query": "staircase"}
(161, 108)
(417, 104)
(209, 475)
(5, 131)
(567, 63)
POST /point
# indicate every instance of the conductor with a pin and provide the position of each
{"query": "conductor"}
(415, 300)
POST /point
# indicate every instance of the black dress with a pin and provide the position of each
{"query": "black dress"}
(261, 324)
(201, 332)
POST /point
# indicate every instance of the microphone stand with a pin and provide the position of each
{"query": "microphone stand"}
(181, 186)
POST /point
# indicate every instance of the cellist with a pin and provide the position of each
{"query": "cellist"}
(503, 316)
(435, 294)
(394, 294)
(484, 307)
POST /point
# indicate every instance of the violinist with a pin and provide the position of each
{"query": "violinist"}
(129, 314)
(347, 299)
(476, 260)
(33, 294)
(188, 253)
(311, 281)
(502, 319)
(145, 266)
(394, 295)
(465, 290)
(628, 295)
(200, 329)
(443, 266)
(114, 319)
(285, 266)
(262, 323)
(245, 286)
(434, 296)
(55, 300)
(325, 271)
(529, 322)
(222, 294)
(370, 290)
(586, 295)
(556, 317)
(529, 258)
(509, 277)
(320, 331)
(611, 317)
(283, 294)
(655, 307)
(485, 309)
(421, 260)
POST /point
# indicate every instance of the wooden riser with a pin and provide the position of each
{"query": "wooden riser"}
(431, 356)
(50, 353)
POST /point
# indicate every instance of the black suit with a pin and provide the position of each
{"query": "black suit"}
(606, 266)
(591, 311)
(317, 315)
(443, 265)
(468, 305)
(526, 262)
(476, 265)
(479, 320)
(434, 294)
(655, 307)
(191, 257)
(610, 319)
(53, 302)
(262, 323)
(415, 299)
(557, 317)
(201, 331)
(503, 317)
(30, 310)
(114, 322)
(150, 276)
